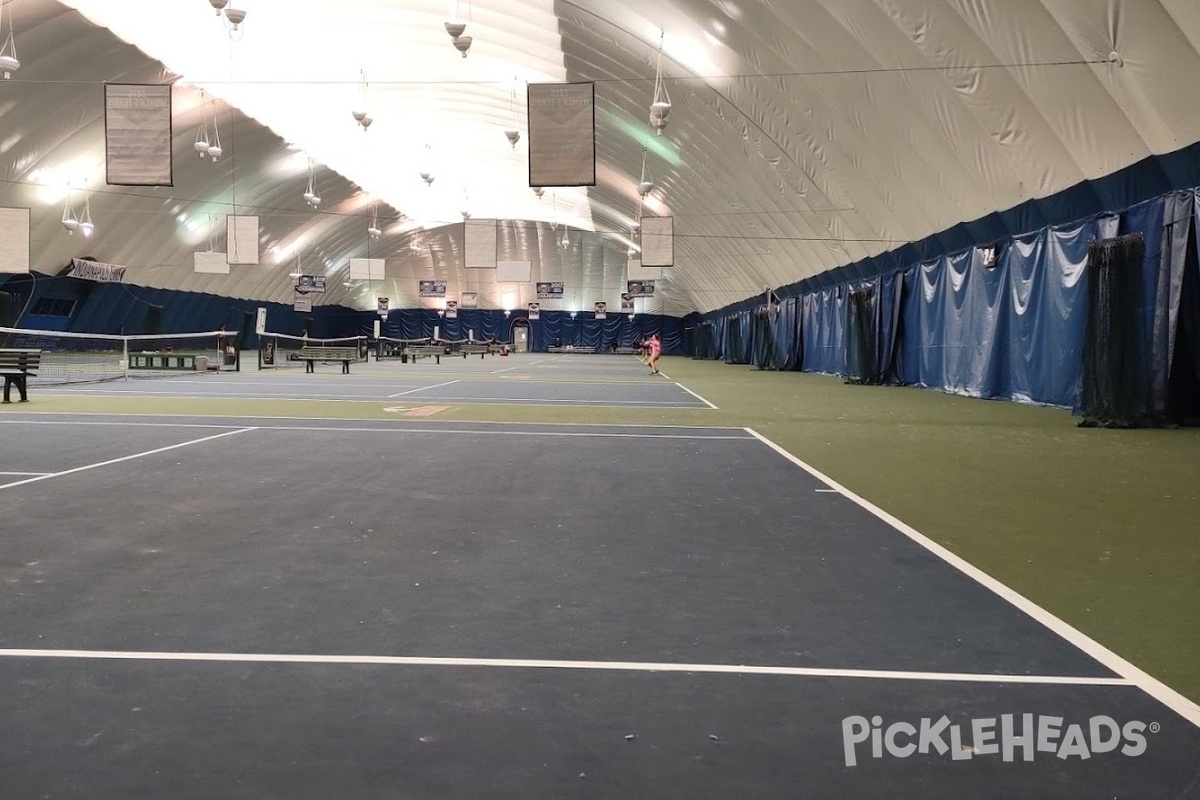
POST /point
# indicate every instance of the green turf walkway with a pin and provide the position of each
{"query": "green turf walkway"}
(1100, 527)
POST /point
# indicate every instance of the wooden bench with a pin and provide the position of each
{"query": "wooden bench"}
(311, 355)
(16, 366)
(480, 350)
(416, 351)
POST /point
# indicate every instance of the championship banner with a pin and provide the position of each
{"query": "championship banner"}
(382, 308)
(311, 283)
(658, 241)
(535, 310)
(550, 291)
(451, 309)
(138, 134)
(95, 271)
(433, 288)
(562, 134)
(469, 300)
(14, 240)
(640, 288)
(301, 302)
(627, 303)
(601, 310)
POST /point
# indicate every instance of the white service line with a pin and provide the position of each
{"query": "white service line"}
(506, 369)
(508, 401)
(50, 475)
(24, 474)
(1132, 674)
(455, 431)
(525, 663)
(422, 388)
(124, 415)
(693, 394)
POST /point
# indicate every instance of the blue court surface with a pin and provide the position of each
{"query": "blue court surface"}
(605, 381)
(253, 607)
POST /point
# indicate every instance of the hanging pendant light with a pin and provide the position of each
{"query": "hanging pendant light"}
(660, 105)
(9, 63)
(214, 147)
(513, 134)
(69, 220)
(85, 225)
(310, 194)
(373, 229)
(539, 191)
(645, 184)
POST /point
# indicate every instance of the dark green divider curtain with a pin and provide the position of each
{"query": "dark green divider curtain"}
(9, 310)
(861, 327)
(763, 356)
(1116, 376)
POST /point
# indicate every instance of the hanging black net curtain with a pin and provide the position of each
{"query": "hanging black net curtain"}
(1116, 376)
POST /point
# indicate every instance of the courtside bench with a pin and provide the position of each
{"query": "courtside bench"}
(16, 366)
(311, 355)
(480, 350)
(416, 351)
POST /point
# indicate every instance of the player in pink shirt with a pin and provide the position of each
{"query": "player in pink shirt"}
(655, 345)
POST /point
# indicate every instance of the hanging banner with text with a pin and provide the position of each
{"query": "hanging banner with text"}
(95, 271)
(639, 288)
(627, 303)
(469, 300)
(433, 288)
(137, 134)
(311, 283)
(451, 309)
(550, 291)
(601, 310)
(535, 310)
(562, 134)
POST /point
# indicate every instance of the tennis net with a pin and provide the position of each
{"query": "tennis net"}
(92, 357)
(279, 350)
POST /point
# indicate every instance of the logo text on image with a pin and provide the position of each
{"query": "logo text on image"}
(1029, 734)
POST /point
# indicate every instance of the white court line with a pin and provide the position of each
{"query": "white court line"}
(328, 419)
(506, 369)
(693, 394)
(456, 431)
(1135, 676)
(24, 474)
(537, 400)
(739, 437)
(826, 491)
(422, 388)
(524, 663)
(50, 475)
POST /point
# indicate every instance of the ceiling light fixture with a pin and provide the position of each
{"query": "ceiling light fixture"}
(69, 220)
(85, 224)
(645, 185)
(660, 105)
(456, 26)
(310, 194)
(9, 63)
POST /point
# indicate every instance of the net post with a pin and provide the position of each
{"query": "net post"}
(125, 358)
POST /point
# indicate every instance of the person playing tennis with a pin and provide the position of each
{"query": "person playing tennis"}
(655, 346)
